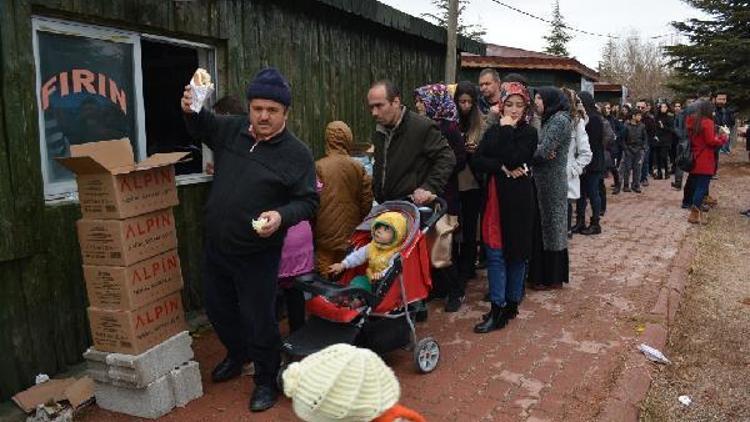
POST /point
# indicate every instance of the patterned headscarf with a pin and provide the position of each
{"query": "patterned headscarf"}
(438, 102)
(508, 89)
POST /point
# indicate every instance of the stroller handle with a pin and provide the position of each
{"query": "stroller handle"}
(439, 209)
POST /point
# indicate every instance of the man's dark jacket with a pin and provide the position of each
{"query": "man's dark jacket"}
(414, 154)
(253, 177)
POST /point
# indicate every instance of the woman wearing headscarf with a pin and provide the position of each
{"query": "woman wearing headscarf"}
(504, 155)
(549, 265)
(434, 101)
(472, 126)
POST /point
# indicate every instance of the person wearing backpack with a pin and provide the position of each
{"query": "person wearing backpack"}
(704, 141)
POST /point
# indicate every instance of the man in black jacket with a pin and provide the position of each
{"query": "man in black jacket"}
(263, 184)
(412, 158)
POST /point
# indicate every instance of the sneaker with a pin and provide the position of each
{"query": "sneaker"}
(637, 190)
(453, 304)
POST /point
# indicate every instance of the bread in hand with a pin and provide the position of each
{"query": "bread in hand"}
(201, 77)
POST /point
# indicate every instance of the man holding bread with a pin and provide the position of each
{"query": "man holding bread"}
(263, 184)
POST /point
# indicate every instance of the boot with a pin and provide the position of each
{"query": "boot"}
(616, 190)
(511, 310)
(695, 216)
(580, 224)
(496, 320)
(593, 228)
(710, 201)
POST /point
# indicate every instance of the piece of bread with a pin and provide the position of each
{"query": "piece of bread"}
(201, 77)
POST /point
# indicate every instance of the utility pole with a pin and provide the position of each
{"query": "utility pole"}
(450, 53)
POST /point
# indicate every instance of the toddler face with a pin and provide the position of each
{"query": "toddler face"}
(383, 235)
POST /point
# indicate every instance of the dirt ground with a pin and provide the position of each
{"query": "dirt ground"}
(709, 343)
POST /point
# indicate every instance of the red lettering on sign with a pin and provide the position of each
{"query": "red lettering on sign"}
(47, 89)
(102, 80)
(118, 96)
(64, 86)
(83, 78)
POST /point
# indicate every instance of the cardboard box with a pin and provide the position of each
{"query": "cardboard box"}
(124, 242)
(127, 288)
(111, 185)
(134, 332)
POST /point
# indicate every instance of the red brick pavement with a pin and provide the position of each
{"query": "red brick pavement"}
(566, 354)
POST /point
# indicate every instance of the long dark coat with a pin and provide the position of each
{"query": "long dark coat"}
(550, 176)
(511, 147)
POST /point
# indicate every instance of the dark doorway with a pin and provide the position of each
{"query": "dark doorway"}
(167, 68)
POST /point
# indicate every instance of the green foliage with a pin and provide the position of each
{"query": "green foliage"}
(717, 51)
(558, 38)
(473, 31)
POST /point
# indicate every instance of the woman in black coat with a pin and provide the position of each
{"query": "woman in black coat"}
(665, 134)
(504, 154)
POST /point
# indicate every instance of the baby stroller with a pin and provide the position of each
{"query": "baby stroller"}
(385, 322)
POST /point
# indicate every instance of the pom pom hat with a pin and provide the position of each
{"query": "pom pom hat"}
(341, 383)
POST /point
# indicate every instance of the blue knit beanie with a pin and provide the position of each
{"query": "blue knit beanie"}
(270, 84)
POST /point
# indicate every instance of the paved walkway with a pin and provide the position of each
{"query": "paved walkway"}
(559, 360)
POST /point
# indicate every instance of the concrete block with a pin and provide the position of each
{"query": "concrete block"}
(152, 402)
(177, 388)
(138, 371)
(186, 383)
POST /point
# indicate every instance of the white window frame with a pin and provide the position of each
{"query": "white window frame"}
(67, 191)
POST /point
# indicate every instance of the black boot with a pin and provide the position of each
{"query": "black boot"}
(580, 224)
(593, 228)
(496, 320)
(511, 310)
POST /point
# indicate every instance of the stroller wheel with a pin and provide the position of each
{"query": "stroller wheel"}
(426, 355)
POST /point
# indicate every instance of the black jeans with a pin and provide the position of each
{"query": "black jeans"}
(662, 159)
(471, 202)
(240, 300)
(590, 192)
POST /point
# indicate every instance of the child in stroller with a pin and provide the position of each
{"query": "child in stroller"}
(389, 230)
(383, 318)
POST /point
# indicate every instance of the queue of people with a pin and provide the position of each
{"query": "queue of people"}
(511, 162)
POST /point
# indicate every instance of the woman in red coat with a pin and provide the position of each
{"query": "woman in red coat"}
(703, 141)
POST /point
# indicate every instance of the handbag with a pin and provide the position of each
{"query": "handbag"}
(440, 241)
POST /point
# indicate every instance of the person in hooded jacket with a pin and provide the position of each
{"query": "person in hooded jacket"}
(591, 178)
(345, 196)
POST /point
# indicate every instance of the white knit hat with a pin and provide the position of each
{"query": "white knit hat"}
(341, 383)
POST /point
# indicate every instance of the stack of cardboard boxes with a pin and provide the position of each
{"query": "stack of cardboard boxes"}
(141, 357)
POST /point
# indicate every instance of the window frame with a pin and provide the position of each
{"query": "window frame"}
(63, 192)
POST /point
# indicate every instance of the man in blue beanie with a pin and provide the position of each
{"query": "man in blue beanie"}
(263, 184)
